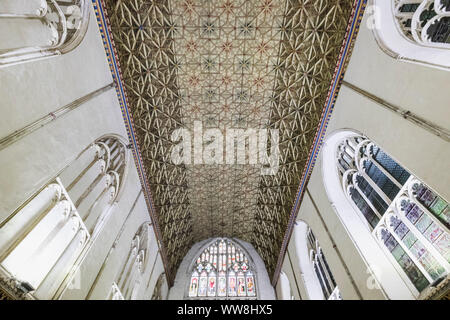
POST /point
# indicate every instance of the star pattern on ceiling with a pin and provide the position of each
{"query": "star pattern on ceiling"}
(226, 52)
(239, 64)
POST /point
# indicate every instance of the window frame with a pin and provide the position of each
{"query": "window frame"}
(405, 191)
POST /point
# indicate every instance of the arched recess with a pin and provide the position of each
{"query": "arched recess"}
(315, 272)
(35, 29)
(263, 287)
(161, 288)
(284, 288)
(130, 279)
(414, 30)
(222, 269)
(399, 224)
(42, 242)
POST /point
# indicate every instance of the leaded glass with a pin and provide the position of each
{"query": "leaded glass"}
(365, 209)
(382, 181)
(241, 291)
(231, 284)
(374, 198)
(397, 171)
(222, 269)
(437, 236)
(321, 268)
(431, 265)
(203, 284)
(250, 284)
(419, 218)
(212, 284)
(430, 200)
(193, 285)
(413, 273)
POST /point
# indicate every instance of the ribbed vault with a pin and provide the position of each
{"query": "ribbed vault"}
(229, 64)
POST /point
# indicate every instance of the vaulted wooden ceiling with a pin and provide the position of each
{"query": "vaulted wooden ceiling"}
(243, 64)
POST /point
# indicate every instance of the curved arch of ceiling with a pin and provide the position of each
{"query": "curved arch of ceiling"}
(229, 64)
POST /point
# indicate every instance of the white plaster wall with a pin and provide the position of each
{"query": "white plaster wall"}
(264, 288)
(290, 269)
(405, 84)
(419, 89)
(283, 288)
(32, 90)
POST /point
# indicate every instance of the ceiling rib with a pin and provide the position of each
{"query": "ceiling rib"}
(186, 60)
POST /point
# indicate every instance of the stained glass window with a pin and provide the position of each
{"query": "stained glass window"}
(408, 218)
(222, 270)
(322, 269)
(413, 273)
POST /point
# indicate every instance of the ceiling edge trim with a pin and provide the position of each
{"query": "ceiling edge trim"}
(114, 65)
(342, 62)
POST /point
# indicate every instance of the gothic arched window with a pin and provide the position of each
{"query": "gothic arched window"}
(34, 29)
(223, 269)
(43, 239)
(130, 279)
(409, 220)
(317, 276)
(93, 181)
(321, 268)
(414, 30)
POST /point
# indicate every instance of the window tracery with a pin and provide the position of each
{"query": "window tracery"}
(426, 22)
(413, 30)
(41, 242)
(34, 29)
(222, 270)
(130, 278)
(408, 218)
(321, 269)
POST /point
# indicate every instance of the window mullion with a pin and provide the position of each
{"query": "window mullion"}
(425, 241)
(325, 270)
(369, 203)
(342, 169)
(375, 187)
(385, 172)
(320, 274)
(26, 231)
(409, 253)
(396, 265)
(430, 214)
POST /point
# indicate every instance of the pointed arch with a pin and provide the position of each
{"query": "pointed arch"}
(400, 218)
(315, 271)
(36, 29)
(222, 269)
(130, 279)
(42, 242)
(414, 30)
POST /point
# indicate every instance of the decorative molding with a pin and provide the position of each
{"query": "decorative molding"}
(112, 249)
(52, 116)
(10, 289)
(67, 31)
(440, 291)
(342, 62)
(406, 114)
(108, 42)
